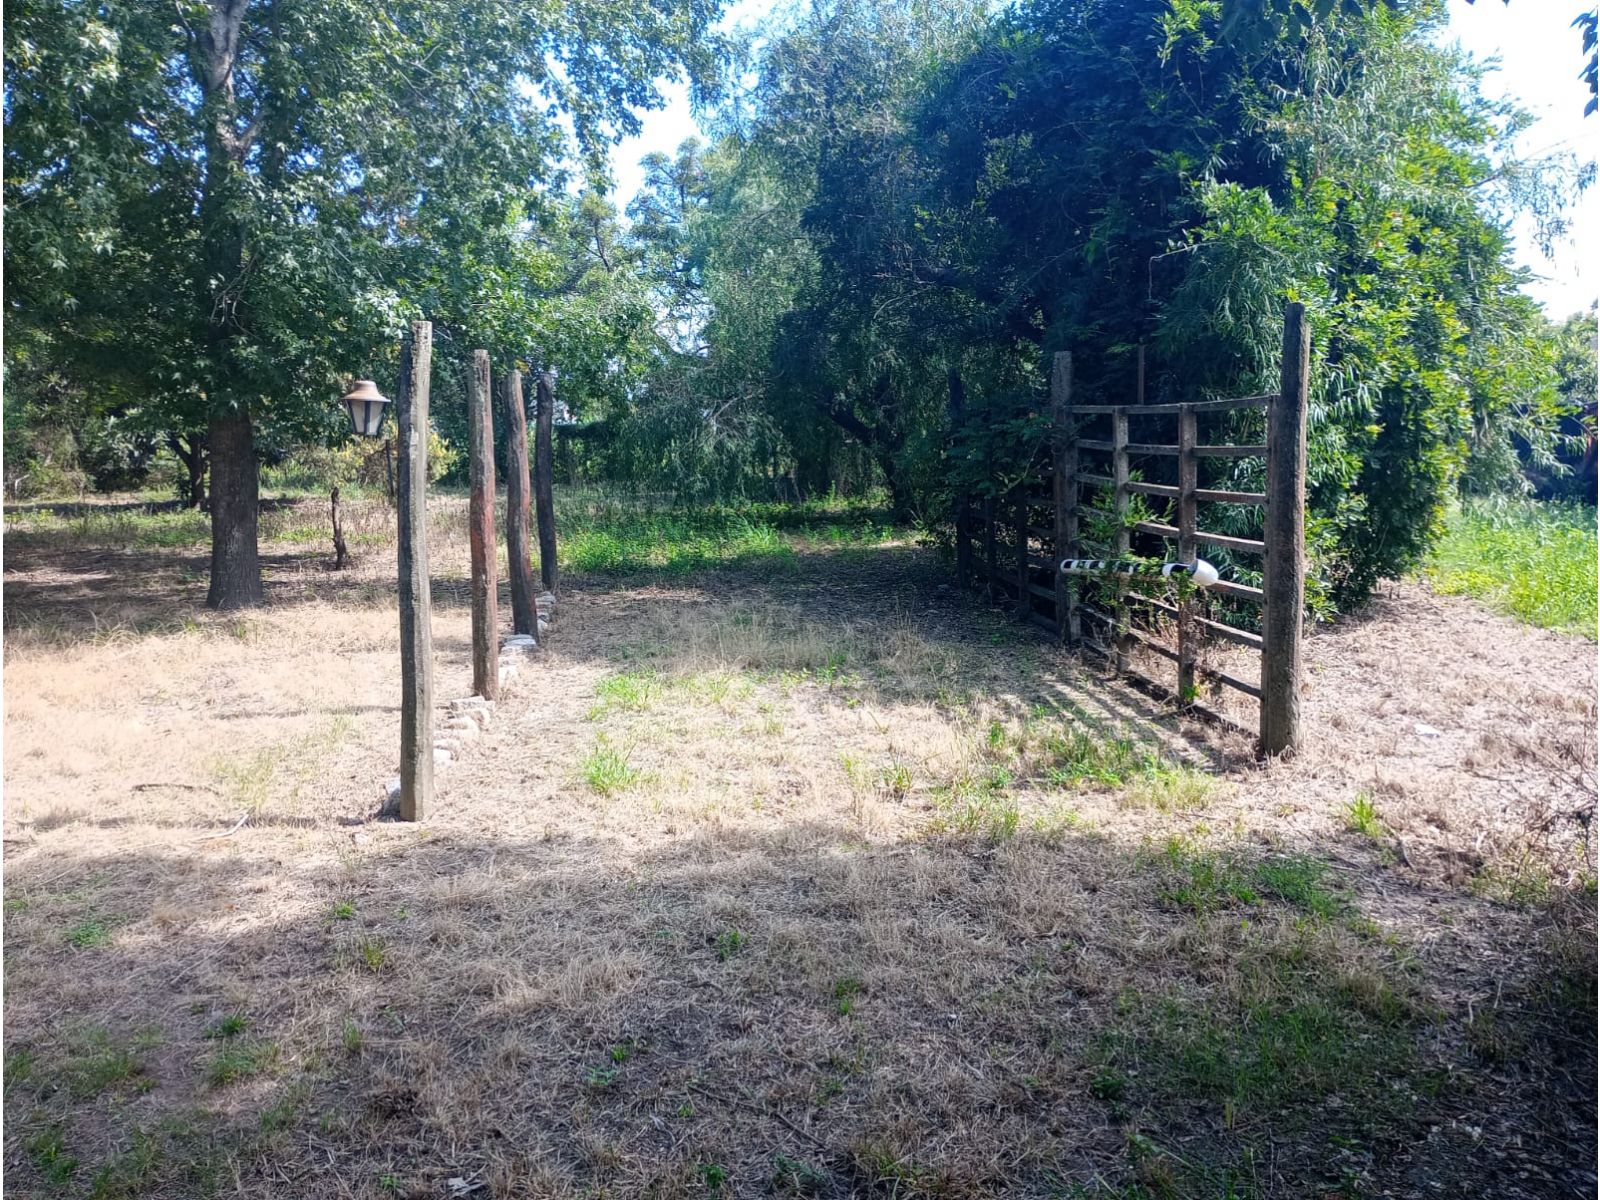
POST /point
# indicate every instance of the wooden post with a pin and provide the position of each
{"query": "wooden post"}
(416, 628)
(961, 500)
(1188, 481)
(519, 561)
(1119, 477)
(991, 564)
(1065, 478)
(1283, 582)
(480, 527)
(1024, 597)
(543, 467)
(1139, 387)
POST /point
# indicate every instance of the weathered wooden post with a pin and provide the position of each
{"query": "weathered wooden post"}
(1120, 499)
(961, 499)
(1188, 549)
(1283, 582)
(480, 528)
(1024, 597)
(543, 467)
(519, 562)
(1065, 478)
(416, 630)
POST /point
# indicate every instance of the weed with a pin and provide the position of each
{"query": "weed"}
(1297, 880)
(729, 942)
(342, 910)
(896, 780)
(95, 1062)
(714, 1176)
(630, 691)
(795, 1177)
(1201, 879)
(86, 935)
(351, 1037)
(18, 1068)
(230, 1026)
(845, 992)
(622, 1052)
(601, 1078)
(374, 954)
(608, 770)
(1361, 816)
(49, 1153)
(979, 806)
(240, 1060)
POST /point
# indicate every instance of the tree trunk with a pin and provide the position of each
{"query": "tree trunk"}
(193, 457)
(235, 505)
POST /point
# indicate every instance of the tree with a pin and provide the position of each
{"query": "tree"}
(229, 206)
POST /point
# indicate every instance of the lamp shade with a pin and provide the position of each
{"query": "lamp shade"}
(364, 402)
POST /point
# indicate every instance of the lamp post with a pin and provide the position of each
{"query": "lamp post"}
(365, 405)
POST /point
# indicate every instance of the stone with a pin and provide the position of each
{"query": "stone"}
(546, 602)
(448, 744)
(442, 758)
(462, 729)
(391, 798)
(470, 703)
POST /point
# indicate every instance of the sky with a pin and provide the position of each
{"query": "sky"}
(1539, 60)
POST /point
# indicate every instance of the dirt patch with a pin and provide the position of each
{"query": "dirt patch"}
(831, 883)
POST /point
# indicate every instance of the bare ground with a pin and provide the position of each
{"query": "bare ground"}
(812, 881)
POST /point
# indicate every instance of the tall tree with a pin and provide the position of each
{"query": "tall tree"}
(229, 206)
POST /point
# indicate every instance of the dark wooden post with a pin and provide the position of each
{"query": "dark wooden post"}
(1283, 583)
(543, 467)
(416, 629)
(1065, 478)
(1024, 597)
(480, 527)
(1188, 481)
(961, 500)
(991, 564)
(1120, 498)
(519, 560)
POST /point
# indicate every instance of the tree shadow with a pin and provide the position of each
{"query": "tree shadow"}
(937, 1016)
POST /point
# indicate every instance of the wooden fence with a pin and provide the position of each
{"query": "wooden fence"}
(1022, 535)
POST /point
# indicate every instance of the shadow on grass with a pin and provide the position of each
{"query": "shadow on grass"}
(778, 1013)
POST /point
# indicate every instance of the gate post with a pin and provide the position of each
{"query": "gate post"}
(1283, 582)
(480, 525)
(961, 500)
(1066, 492)
(416, 630)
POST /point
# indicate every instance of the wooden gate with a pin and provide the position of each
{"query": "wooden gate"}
(1025, 533)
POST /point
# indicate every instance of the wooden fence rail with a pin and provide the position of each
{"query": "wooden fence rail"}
(1026, 574)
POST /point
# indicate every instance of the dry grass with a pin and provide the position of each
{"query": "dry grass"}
(831, 885)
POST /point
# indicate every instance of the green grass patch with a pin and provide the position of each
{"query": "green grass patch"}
(607, 771)
(89, 934)
(48, 1150)
(1361, 816)
(238, 1060)
(1534, 560)
(616, 538)
(978, 804)
(96, 1062)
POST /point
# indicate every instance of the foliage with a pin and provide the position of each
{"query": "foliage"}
(1532, 559)
(217, 210)
(915, 193)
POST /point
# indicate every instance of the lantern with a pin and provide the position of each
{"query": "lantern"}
(364, 402)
